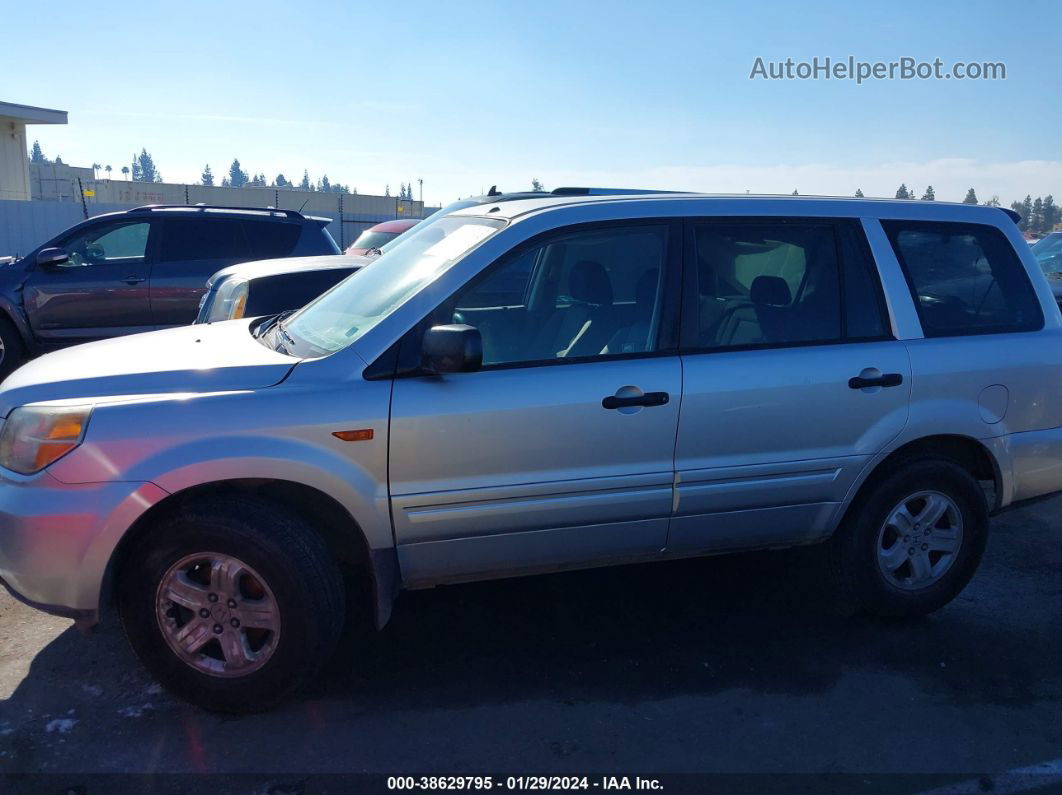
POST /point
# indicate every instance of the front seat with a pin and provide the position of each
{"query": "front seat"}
(568, 331)
(634, 337)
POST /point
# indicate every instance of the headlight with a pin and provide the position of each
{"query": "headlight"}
(230, 301)
(36, 436)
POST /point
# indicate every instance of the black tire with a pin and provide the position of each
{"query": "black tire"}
(14, 350)
(295, 565)
(853, 551)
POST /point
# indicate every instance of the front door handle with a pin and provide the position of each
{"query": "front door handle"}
(647, 399)
(885, 379)
(134, 279)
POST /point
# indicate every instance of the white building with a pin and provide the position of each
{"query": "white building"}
(14, 165)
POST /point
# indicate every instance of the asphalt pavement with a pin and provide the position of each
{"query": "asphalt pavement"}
(732, 664)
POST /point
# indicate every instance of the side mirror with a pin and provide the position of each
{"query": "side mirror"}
(451, 349)
(50, 257)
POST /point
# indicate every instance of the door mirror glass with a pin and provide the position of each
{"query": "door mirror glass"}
(451, 348)
(52, 257)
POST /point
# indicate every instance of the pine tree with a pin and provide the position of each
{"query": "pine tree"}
(971, 197)
(324, 185)
(305, 184)
(387, 190)
(144, 168)
(929, 195)
(859, 193)
(536, 185)
(208, 176)
(902, 192)
(1036, 218)
(993, 202)
(795, 192)
(237, 176)
(36, 155)
(1019, 208)
(1051, 213)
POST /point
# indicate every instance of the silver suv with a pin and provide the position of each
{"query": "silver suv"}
(533, 386)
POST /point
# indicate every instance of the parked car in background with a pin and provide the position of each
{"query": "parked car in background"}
(137, 270)
(267, 287)
(1048, 253)
(534, 386)
(253, 288)
(376, 237)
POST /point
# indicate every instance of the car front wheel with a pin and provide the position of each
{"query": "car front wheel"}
(12, 351)
(232, 606)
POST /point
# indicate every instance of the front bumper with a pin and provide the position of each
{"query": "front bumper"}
(56, 539)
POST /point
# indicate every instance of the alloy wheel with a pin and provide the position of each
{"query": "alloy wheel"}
(218, 614)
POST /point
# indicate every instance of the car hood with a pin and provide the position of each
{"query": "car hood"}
(271, 267)
(190, 359)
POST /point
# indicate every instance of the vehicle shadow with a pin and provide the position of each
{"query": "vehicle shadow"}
(761, 622)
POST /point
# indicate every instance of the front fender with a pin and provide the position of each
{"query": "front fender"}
(274, 433)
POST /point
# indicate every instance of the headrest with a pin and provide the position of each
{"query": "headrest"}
(589, 282)
(770, 290)
(645, 289)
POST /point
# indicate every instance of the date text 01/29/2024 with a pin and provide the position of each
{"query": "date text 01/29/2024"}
(534, 783)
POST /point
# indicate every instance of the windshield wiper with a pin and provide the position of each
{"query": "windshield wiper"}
(269, 323)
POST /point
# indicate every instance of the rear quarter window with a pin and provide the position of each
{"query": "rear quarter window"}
(273, 239)
(312, 240)
(965, 278)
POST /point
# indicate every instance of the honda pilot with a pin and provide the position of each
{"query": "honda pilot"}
(538, 385)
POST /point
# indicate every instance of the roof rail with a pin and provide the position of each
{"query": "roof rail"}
(147, 208)
(608, 191)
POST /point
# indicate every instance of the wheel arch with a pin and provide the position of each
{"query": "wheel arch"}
(370, 575)
(969, 453)
(9, 312)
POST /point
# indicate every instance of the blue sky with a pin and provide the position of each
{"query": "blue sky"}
(466, 95)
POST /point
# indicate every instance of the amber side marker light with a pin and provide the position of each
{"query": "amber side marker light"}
(362, 435)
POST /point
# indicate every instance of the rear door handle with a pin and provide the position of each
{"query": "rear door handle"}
(134, 279)
(885, 379)
(648, 399)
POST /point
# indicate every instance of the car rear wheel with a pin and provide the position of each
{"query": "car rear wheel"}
(233, 606)
(913, 540)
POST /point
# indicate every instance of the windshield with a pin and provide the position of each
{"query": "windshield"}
(355, 305)
(1048, 253)
(435, 216)
(370, 239)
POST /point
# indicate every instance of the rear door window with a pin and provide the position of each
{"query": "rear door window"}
(965, 278)
(193, 239)
(773, 283)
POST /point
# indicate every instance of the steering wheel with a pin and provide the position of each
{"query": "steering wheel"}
(94, 252)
